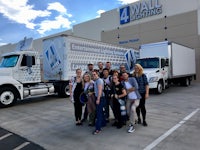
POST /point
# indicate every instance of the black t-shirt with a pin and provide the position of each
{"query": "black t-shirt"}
(78, 90)
(117, 89)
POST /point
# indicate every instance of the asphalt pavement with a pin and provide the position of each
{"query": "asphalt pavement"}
(12, 141)
(48, 122)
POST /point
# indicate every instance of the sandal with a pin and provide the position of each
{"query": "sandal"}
(96, 132)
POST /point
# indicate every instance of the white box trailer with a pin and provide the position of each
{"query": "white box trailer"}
(63, 54)
(21, 75)
(182, 61)
(167, 62)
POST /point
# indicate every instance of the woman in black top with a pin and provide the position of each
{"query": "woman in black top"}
(118, 95)
(76, 88)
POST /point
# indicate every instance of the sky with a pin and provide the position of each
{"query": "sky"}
(40, 18)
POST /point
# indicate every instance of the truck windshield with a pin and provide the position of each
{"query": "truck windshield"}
(9, 61)
(149, 62)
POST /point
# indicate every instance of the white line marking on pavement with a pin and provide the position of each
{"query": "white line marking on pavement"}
(5, 136)
(170, 131)
(21, 146)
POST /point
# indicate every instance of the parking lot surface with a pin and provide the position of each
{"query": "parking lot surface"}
(173, 124)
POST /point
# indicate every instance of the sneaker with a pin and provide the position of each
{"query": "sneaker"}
(145, 123)
(96, 132)
(131, 129)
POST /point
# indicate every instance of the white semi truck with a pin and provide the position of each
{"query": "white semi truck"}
(167, 62)
(21, 75)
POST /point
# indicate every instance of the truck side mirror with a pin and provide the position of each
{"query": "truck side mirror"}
(163, 63)
(167, 62)
(29, 61)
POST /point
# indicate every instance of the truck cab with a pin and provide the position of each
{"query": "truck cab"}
(156, 70)
(20, 77)
(22, 66)
(18, 70)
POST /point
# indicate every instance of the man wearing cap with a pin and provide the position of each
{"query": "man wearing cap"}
(90, 69)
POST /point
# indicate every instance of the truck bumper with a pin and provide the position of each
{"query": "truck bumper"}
(153, 85)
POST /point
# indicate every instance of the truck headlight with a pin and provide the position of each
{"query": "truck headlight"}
(153, 79)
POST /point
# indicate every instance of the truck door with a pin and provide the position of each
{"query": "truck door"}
(164, 68)
(28, 72)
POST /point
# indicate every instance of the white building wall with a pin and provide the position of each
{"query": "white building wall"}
(92, 29)
(110, 20)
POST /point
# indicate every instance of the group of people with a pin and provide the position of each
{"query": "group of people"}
(105, 88)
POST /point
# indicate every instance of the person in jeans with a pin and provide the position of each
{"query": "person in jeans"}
(100, 102)
(133, 98)
(144, 92)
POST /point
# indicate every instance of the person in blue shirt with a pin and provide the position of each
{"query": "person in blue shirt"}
(100, 102)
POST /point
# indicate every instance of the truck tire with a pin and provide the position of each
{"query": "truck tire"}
(159, 89)
(167, 84)
(187, 82)
(8, 97)
(64, 90)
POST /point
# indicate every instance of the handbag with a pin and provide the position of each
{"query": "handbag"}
(83, 98)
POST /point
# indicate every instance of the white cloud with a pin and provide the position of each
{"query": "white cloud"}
(1, 44)
(59, 8)
(59, 22)
(23, 13)
(20, 12)
(99, 12)
(127, 1)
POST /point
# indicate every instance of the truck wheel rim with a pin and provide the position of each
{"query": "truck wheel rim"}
(7, 98)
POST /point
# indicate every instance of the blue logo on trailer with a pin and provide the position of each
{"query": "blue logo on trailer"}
(130, 59)
(52, 57)
(125, 15)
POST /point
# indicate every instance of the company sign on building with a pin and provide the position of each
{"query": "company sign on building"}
(139, 10)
